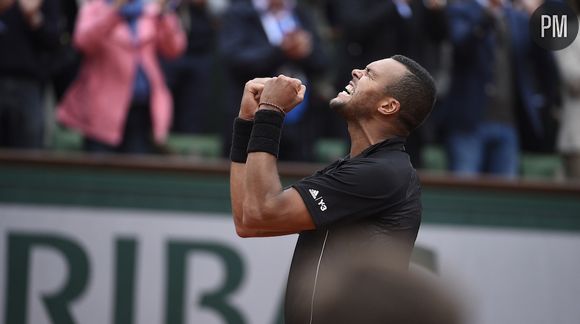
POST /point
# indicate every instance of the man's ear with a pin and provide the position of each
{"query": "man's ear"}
(390, 106)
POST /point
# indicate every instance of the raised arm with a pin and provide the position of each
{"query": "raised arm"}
(171, 40)
(260, 205)
(242, 129)
(95, 22)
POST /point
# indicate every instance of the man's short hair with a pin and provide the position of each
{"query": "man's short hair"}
(415, 91)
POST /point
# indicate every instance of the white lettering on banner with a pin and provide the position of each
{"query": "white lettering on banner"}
(124, 267)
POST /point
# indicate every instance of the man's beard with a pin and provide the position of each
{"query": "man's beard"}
(340, 107)
(348, 111)
(336, 104)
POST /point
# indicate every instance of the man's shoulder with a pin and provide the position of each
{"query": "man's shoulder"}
(379, 172)
(383, 163)
(387, 162)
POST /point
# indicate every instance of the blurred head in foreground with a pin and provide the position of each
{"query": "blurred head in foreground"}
(380, 296)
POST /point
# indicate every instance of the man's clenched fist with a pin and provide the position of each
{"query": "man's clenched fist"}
(251, 98)
(283, 92)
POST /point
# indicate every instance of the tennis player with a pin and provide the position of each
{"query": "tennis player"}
(362, 209)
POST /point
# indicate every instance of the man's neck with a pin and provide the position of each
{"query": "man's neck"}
(363, 135)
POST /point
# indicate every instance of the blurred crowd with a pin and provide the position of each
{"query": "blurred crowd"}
(127, 73)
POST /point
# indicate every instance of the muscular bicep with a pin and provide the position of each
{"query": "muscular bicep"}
(284, 213)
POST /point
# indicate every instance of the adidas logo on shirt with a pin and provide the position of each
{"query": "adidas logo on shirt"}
(319, 200)
(314, 193)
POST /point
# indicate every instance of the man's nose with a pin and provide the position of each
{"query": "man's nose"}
(356, 73)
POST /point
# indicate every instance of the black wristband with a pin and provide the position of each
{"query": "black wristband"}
(240, 139)
(266, 132)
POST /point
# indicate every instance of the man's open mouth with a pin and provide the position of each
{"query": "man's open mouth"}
(349, 89)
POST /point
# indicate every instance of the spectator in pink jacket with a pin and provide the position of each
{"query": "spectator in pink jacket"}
(119, 101)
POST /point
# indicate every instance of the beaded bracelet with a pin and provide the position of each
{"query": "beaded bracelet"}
(280, 109)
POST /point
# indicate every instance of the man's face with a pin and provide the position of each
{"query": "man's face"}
(365, 92)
